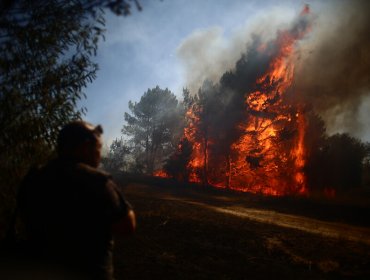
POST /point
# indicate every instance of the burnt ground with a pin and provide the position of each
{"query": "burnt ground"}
(202, 233)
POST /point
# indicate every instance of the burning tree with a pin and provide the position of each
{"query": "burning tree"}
(246, 132)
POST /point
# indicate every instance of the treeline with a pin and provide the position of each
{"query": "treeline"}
(340, 162)
(162, 134)
(153, 142)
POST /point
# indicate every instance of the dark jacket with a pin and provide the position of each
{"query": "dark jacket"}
(68, 209)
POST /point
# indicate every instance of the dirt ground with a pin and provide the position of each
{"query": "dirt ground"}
(195, 233)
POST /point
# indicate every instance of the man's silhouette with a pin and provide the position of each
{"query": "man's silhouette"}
(71, 209)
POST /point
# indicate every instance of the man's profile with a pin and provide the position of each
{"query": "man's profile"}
(70, 209)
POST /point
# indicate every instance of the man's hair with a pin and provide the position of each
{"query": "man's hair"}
(76, 133)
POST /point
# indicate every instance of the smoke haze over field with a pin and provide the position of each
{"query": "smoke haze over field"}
(332, 64)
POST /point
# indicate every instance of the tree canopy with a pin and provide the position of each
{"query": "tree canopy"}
(337, 163)
(153, 126)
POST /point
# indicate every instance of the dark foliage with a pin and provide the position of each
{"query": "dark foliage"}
(337, 163)
(45, 62)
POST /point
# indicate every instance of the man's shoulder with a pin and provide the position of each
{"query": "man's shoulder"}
(75, 171)
(90, 173)
(87, 169)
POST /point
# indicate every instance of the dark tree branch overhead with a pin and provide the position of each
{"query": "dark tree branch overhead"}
(119, 7)
(46, 60)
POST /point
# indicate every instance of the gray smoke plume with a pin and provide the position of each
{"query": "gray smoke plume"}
(334, 67)
(332, 64)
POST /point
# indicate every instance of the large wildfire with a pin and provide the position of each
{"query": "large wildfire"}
(269, 155)
(249, 132)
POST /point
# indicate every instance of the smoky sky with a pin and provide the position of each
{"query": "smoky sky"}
(334, 69)
(332, 63)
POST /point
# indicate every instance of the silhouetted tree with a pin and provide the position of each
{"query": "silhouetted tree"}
(204, 119)
(345, 155)
(176, 165)
(366, 169)
(315, 141)
(338, 163)
(153, 126)
(45, 53)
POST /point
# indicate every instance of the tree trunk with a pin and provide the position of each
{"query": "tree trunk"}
(228, 177)
(205, 166)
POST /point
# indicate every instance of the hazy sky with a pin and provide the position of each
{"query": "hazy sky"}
(154, 47)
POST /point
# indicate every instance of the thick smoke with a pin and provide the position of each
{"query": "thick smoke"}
(334, 69)
(332, 64)
(202, 54)
(208, 53)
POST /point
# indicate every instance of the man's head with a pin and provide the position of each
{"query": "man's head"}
(81, 141)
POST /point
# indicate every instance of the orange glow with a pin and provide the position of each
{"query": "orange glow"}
(160, 173)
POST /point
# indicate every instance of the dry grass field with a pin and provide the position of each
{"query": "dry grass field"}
(199, 233)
